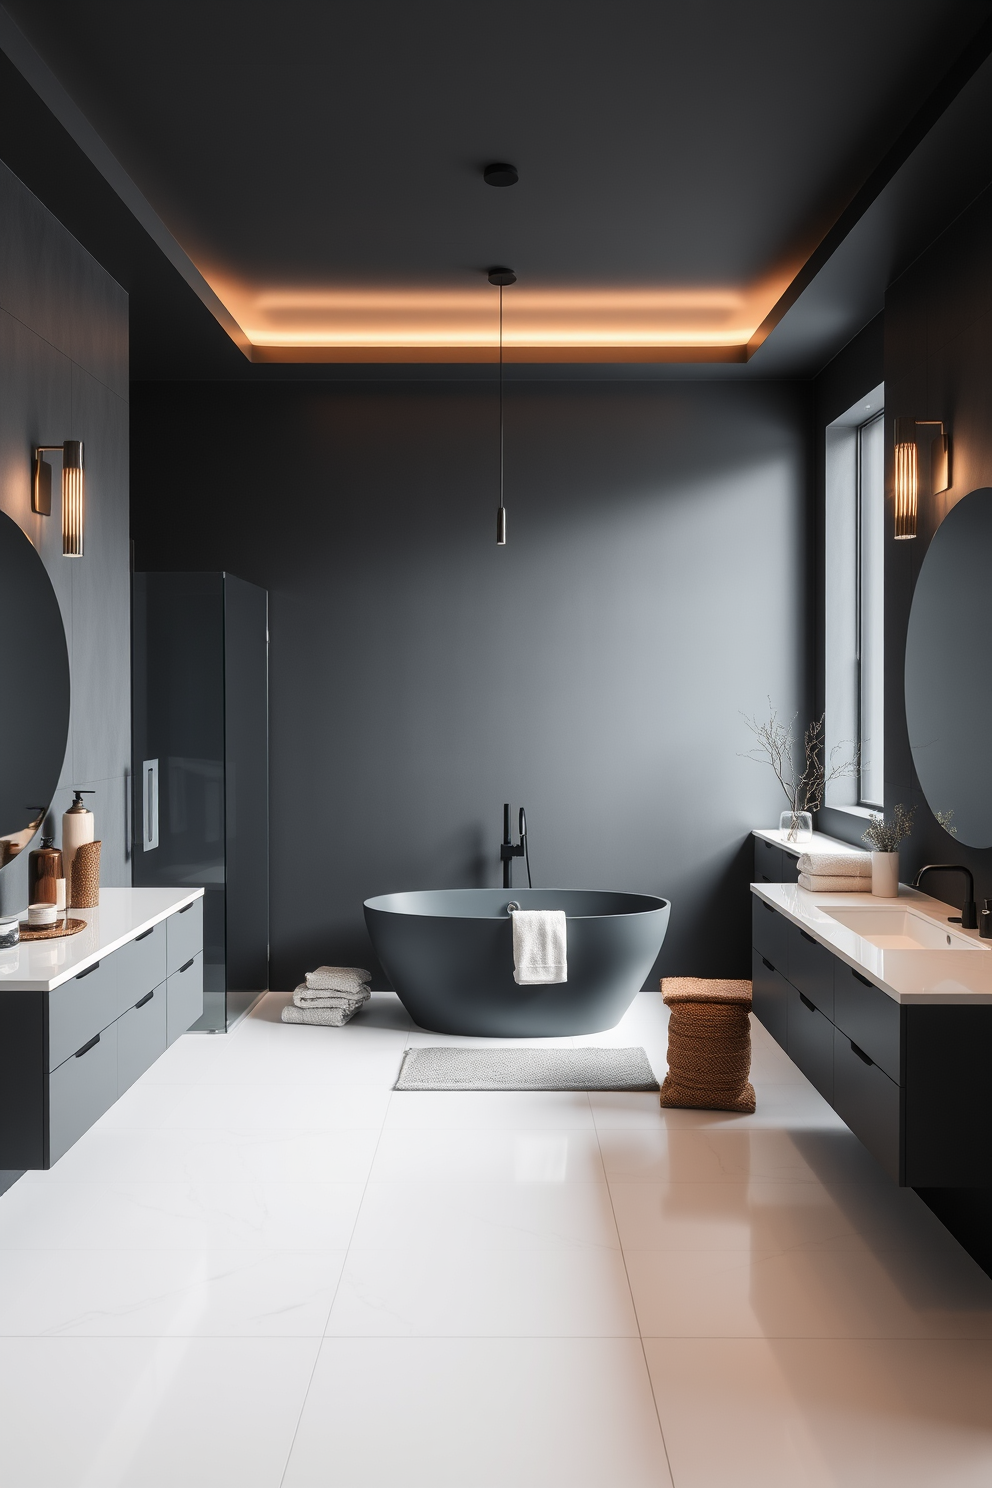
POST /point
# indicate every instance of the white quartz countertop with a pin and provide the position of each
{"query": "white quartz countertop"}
(121, 915)
(820, 842)
(917, 976)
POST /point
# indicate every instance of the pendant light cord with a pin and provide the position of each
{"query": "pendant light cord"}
(501, 395)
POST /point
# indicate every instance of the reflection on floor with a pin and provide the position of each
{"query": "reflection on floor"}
(262, 1268)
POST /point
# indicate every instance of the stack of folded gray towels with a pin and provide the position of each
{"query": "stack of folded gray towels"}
(330, 995)
(835, 873)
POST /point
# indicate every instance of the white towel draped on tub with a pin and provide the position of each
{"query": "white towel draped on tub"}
(539, 946)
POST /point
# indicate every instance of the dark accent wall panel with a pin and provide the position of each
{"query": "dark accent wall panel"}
(654, 586)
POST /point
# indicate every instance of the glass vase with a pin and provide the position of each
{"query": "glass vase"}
(796, 826)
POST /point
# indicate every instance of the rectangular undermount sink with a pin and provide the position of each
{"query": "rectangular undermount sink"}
(903, 930)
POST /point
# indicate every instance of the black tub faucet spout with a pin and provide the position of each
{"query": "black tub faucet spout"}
(508, 851)
(969, 911)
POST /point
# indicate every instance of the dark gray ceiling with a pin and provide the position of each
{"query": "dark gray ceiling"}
(309, 143)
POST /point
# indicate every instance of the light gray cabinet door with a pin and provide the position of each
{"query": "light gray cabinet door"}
(185, 997)
(141, 1037)
(80, 1090)
(80, 1008)
(141, 966)
(184, 934)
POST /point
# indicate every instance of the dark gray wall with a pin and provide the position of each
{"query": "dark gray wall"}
(64, 375)
(594, 670)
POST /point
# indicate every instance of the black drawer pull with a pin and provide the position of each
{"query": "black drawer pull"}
(806, 1002)
(187, 907)
(765, 879)
(189, 963)
(811, 938)
(144, 935)
(147, 998)
(863, 980)
(87, 1047)
(770, 908)
(81, 974)
(861, 1053)
(766, 962)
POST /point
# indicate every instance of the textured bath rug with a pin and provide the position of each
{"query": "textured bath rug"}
(440, 1067)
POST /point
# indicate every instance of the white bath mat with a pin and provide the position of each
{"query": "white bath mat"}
(440, 1067)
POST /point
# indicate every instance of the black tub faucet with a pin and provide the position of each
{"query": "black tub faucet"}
(968, 917)
(508, 852)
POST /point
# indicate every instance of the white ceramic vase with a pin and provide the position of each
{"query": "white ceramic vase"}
(885, 874)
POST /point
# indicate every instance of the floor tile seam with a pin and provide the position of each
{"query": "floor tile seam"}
(494, 1338)
(640, 1337)
(330, 1309)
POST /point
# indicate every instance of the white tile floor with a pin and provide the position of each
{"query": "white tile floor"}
(263, 1268)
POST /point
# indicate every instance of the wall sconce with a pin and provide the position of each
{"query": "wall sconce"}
(907, 481)
(72, 491)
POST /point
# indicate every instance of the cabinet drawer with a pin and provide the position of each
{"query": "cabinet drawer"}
(868, 1101)
(141, 965)
(868, 1017)
(184, 998)
(80, 1008)
(767, 862)
(769, 934)
(184, 935)
(80, 1090)
(141, 1037)
(770, 998)
(811, 1042)
(811, 969)
(790, 867)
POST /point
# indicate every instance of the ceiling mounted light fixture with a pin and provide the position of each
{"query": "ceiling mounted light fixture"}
(501, 277)
(71, 451)
(906, 484)
(500, 174)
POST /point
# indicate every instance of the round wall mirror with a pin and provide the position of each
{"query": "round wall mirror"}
(34, 685)
(948, 693)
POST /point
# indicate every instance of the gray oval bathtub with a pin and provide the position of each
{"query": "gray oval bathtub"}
(449, 956)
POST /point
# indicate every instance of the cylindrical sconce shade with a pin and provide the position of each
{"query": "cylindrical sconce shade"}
(72, 498)
(501, 527)
(906, 484)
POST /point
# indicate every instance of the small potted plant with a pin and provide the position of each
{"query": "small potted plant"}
(884, 838)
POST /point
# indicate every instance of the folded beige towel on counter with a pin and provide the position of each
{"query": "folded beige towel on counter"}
(338, 979)
(328, 1017)
(836, 865)
(834, 884)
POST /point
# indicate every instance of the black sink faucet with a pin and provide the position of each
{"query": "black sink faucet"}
(508, 852)
(969, 914)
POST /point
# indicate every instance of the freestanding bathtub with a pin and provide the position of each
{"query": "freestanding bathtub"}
(449, 956)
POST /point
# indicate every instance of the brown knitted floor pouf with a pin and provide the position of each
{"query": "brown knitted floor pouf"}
(709, 1045)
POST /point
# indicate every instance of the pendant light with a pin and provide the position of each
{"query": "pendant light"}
(501, 277)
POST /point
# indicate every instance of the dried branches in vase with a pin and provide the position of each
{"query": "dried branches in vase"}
(804, 787)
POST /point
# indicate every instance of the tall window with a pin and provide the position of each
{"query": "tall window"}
(871, 608)
(855, 611)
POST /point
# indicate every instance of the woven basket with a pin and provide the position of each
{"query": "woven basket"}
(709, 1045)
(85, 877)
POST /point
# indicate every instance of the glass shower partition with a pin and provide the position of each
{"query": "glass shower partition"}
(200, 760)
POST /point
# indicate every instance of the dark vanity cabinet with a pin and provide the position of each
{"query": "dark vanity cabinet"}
(67, 1054)
(912, 1081)
(774, 864)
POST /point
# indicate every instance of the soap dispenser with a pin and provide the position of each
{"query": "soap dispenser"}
(77, 828)
(45, 876)
(985, 921)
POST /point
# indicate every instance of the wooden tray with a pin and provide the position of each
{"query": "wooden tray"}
(51, 932)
